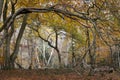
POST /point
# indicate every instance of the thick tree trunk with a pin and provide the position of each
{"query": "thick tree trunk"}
(1, 6)
(16, 49)
(7, 52)
(7, 39)
(9, 35)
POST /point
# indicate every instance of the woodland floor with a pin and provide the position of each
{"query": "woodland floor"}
(54, 74)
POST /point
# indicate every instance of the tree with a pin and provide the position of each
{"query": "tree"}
(1, 7)
(19, 37)
(71, 16)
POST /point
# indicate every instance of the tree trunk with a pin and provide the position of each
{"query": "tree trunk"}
(90, 53)
(8, 32)
(56, 47)
(1, 6)
(51, 54)
(16, 49)
(7, 39)
(44, 54)
(73, 53)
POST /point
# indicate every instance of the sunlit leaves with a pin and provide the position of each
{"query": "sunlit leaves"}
(106, 12)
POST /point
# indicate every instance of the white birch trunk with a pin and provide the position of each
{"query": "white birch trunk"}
(44, 56)
(51, 54)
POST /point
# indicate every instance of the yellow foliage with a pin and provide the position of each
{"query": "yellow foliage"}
(109, 22)
(29, 21)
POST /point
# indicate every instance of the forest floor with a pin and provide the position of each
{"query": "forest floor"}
(54, 74)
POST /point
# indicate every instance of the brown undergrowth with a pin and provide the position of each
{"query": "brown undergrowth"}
(54, 74)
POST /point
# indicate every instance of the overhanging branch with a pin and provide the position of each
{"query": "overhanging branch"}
(69, 14)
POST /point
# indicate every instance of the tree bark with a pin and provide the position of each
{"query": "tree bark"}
(73, 53)
(56, 48)
(1, 6)
(6, 41)
(16, 50)
(9, 35)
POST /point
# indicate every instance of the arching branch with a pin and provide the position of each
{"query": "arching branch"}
(10, 19)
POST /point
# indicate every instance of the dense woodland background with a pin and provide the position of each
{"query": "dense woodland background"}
(83, 35)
